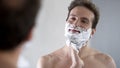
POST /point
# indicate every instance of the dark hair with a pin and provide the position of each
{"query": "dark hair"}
(17, 18)
(87, 4)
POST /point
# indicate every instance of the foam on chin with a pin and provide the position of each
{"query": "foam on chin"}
(76, 40)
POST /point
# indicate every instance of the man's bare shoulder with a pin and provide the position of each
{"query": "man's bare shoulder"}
(45, 61)
(98, 58)
(105, 59)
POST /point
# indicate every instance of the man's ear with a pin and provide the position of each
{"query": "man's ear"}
(93, 31)
(30, 35)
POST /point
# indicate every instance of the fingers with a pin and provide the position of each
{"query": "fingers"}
(77, 62)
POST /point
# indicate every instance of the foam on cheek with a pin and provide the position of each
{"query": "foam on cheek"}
(76, 40)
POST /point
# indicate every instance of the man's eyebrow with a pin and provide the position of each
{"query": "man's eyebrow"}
(85, 18)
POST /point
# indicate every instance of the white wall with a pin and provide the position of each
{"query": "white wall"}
(107, 37)
(49, 32)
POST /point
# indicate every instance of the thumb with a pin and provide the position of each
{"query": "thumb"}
(77, 62)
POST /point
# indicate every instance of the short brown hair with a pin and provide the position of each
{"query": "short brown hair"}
(87, 4)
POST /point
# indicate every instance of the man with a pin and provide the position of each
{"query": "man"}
(17, 20)
(80, 26)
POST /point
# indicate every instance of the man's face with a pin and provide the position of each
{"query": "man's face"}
(81, 17)
(78, 27)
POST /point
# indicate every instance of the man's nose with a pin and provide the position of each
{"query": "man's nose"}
(76, 23)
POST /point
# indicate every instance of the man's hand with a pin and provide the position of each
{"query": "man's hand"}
(77, 62)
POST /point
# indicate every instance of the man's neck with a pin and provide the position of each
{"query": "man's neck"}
(66, 50)
(10, 57)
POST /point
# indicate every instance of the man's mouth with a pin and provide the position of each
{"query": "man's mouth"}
(74, 31)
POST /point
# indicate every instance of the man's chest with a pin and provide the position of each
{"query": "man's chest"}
(62, 64)
(91, 62)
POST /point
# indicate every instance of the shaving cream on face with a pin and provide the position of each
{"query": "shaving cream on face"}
(76, 36)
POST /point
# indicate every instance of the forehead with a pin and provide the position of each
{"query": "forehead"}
(81, 11)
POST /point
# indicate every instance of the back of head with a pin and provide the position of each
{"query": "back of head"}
(89, 5)
(17, 18)
(83, 0)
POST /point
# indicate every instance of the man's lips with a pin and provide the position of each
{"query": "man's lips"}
(74, 31)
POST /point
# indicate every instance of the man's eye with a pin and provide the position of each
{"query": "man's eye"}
(84, 21)
(73, 19)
